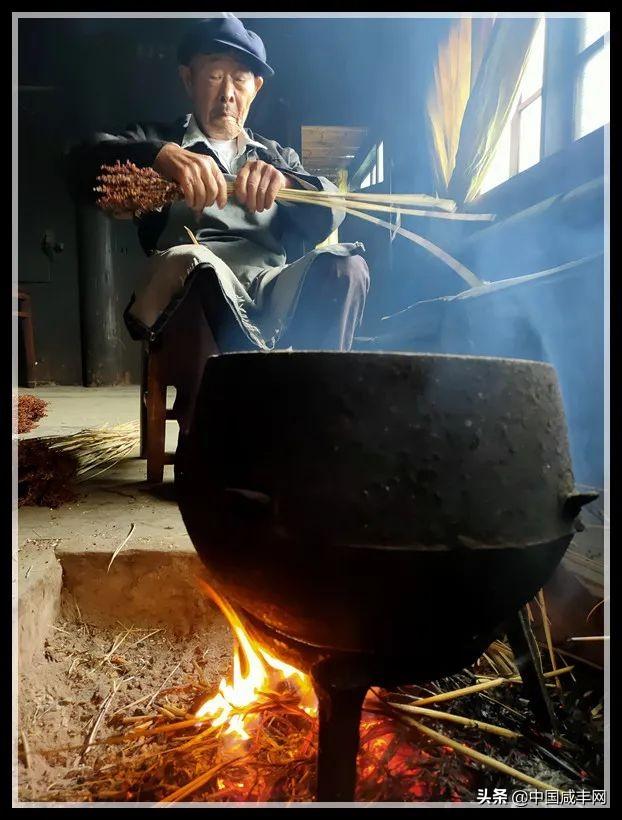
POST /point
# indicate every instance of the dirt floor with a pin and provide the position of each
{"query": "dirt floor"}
(100, 641)
(95, 681)
(90, 679)
(107, 506)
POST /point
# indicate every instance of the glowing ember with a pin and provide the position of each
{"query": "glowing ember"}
(266, 740)
(255, 672)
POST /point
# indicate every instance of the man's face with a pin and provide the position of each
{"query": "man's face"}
(221, 89)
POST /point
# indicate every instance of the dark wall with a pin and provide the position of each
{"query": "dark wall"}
(108, 73)
(46, 210)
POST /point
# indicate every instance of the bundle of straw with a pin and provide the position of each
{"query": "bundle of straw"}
(98, 449)
(125, 188)
(50, 466)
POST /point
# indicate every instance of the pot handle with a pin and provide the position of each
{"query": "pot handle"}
(574, 502)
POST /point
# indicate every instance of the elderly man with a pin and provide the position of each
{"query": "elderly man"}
(234, 290)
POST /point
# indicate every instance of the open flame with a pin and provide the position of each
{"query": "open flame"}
(255, 671)
(271, 702)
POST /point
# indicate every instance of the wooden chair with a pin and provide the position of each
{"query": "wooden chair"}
(153, 415)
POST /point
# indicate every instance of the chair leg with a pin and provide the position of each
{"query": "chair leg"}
(144, 426)
(156, 421)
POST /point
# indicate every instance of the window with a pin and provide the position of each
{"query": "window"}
(592, 78)
(575, 101)
(519, 143)
(372, 168)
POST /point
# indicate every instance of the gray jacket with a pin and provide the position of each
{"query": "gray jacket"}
(246, 251)
(256, 240)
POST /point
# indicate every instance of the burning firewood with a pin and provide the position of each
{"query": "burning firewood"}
(481, 758)
(255, 738)
(492, 683)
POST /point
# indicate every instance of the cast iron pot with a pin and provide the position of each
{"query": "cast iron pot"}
(379, 504)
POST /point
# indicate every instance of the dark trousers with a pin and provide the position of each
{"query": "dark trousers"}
(330, 309)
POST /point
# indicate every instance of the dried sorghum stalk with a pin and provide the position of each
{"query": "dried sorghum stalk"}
(30, 410)
(124, 187)
(45, 476)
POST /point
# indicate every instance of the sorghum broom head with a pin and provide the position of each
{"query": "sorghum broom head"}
(126, 188)
(45, 476)
(30, 410)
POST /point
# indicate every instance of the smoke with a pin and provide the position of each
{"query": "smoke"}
(544, 301)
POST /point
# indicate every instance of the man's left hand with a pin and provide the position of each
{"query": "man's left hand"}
(257, 185)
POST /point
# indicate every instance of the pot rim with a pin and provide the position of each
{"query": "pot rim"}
(369, 354)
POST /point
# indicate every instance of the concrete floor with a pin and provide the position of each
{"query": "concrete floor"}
(72, 408)
(69, 549)
(107, 507)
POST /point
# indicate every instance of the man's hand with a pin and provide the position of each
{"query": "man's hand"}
(199, 176)
(257, 185)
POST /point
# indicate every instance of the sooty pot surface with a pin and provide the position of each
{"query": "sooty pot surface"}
(365, 501)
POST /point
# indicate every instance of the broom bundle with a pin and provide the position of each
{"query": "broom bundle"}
(98, 449)
(126, 188)
(45, 478)
(50, 467)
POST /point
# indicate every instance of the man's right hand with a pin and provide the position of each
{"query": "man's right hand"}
(199, 176)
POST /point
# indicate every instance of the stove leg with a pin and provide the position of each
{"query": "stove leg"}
(339, 719)
(525, 649)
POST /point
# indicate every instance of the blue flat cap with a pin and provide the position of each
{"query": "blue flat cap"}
(222, 34)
